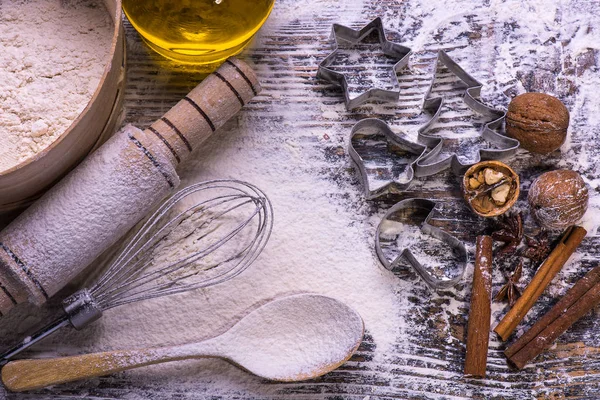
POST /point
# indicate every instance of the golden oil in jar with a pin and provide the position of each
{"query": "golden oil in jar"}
(197, 31)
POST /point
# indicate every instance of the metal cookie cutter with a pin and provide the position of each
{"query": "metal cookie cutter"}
(384, 159)
(394, 227)
(341, 33)
(505, 146)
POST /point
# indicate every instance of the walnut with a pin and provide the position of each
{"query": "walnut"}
(558, 199)
(490, 188)
(537, 120)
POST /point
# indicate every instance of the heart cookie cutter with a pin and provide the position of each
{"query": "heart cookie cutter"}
(395, 173)
(386, 237)
(429, 164)
(341, 33)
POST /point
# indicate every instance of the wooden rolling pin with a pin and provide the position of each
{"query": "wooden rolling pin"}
(112, 189)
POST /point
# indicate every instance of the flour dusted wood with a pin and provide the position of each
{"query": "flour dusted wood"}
(52, 56)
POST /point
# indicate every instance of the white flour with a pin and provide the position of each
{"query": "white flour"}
(53, 55)
(323, 235)
(312, 249)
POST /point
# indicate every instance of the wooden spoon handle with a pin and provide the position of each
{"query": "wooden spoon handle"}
(23, 375)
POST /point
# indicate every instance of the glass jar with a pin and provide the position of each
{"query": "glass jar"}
(197, 31)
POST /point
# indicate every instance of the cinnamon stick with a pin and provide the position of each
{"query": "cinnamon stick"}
(478, 331)
(578, 300)
(569, 242)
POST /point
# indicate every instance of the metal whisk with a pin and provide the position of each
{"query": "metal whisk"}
(203, 235)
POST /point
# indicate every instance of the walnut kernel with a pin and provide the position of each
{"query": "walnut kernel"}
(500, 194)
(490, 188)
(474, 183)
(492, 176)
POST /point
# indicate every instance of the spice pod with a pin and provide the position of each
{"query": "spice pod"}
(490, 188)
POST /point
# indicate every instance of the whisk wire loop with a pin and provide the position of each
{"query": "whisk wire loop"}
(148, 247)
(142, 280)
(235, 209)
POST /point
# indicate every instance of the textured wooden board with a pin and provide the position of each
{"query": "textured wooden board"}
(428, 362)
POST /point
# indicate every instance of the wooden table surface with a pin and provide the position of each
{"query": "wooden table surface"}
(428, 362)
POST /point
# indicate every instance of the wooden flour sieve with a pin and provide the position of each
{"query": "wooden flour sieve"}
(23, 183)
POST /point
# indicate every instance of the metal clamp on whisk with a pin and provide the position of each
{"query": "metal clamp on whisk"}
(81, 309)
(203, 235)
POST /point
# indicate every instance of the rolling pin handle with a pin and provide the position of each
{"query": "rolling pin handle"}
(205, 109)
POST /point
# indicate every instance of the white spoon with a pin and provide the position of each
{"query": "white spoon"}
(293, 338)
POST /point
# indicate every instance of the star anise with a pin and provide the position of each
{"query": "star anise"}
(538, 248)
(510, 290)
(510, 232)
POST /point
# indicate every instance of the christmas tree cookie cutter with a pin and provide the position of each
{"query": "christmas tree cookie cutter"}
(340, 34)
(430, 164)
(384, 159)
(395, 225)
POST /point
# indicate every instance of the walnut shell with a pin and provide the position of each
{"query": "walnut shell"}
(490, 188)
(537, 120)
(558, 199)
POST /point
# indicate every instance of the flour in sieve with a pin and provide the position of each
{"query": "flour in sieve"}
(53, 56)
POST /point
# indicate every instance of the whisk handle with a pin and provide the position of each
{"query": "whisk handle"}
(33, 339)
(33, 374)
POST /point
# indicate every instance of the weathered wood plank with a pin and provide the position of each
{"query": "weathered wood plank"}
(428, 360)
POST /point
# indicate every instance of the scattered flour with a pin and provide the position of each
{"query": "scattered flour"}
(436, 257)
(316, 246)
(53, 55)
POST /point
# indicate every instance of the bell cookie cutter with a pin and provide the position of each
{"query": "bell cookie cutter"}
(419, 207)
(395, 173)
(429, 164)
(341, 33)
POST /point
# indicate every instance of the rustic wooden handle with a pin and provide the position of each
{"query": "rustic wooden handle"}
(205, 109)
(23, 375)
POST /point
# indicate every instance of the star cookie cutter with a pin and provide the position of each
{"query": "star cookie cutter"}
(341, 33)
(393, 227)
(389, 170)
(506, 147)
